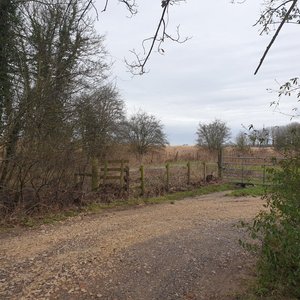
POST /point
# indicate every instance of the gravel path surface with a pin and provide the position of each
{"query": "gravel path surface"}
(186, 250)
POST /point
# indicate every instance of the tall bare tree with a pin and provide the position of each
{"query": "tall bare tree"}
(98, 119)
(213, 135)
(242, 141)
(143, 132)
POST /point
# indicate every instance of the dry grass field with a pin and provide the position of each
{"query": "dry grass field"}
(189, 153)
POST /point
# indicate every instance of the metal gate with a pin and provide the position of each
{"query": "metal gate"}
(247, 170)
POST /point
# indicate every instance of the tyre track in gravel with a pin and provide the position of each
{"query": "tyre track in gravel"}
(186, 250)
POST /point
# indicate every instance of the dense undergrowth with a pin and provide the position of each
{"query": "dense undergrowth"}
(278, 230)
(96, 207)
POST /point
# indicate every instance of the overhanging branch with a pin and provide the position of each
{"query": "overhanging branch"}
(284, 20)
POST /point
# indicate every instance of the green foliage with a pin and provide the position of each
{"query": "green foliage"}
(50, 218)
(193, 193)
(254, 191)
(278, 228)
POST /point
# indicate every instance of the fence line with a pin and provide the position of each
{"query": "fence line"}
(144, 180)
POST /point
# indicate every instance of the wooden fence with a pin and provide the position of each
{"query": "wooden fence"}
(143, 180)
(116, 171)
(176, 176)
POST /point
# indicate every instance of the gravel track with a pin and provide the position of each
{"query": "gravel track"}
(186, 250)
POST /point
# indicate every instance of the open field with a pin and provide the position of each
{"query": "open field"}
(189, 153)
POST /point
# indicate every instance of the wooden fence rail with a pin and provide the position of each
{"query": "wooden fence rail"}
(117, 172)
(106, 171)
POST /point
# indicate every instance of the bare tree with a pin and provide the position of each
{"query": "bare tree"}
(213, 135)
(242, 141)
(98, 119)
(259, 137)
(143, 132)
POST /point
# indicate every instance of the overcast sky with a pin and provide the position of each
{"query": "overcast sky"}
(208, 77)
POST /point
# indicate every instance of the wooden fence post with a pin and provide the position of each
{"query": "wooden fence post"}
(188, 172)
(76, 181)
(127, 178)
(204, 171)
(95, 175)
(264, 174)
(242, 170)
(220, 163)
(122, 174)
(168, 176)
(142, 180)
(105, 171)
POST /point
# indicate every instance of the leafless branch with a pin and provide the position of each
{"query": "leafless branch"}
(105, 6)
(90, 3)
(131, 6)
(284, 20)
(137, 67)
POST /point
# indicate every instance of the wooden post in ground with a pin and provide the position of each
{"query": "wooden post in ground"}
(76, 181)
(127, 179)
(204, 171)
(122, 174)
(142, 180)
(168, 176)
(95, 175)
(242, 170)
(105, 171)
(264, 174)
(188, 172)
(220, 163)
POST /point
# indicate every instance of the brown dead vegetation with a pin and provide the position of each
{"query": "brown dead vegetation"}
(45, 193)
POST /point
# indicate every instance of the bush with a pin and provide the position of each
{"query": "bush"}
(278, 228)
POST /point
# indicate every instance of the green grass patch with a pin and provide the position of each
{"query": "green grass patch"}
(191, 193)
(254, 191)
(171, 198)
(50, 218)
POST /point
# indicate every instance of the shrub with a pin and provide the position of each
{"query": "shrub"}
(278, 228)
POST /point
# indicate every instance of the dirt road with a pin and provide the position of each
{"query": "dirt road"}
(186, 250)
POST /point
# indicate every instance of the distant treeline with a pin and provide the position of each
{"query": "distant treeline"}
(286, 137)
